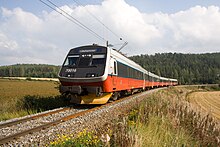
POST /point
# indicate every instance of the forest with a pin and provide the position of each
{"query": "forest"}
(187, 68)
(29, 70)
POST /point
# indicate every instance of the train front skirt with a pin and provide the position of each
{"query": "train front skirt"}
(91, 99)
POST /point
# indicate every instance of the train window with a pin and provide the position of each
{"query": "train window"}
(146, 77)
(71, 60)
(98, 59)
(122, 70)
(115, 68)
(132, 73)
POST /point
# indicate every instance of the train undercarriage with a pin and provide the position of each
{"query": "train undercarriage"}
(93, 95)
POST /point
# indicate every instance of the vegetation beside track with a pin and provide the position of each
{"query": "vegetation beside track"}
(23, 97)
(164, 119)
(167, 119)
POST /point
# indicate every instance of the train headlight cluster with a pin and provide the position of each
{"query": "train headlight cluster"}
(91, 75)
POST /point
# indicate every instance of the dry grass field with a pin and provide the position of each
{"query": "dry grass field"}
(208, 101)
(11, 89)
(13, 92)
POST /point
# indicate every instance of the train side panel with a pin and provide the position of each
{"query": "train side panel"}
(115, 83)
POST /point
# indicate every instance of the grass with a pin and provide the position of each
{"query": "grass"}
(160, 132)
(163, 119)
(23, 97)
(151, 124)
(11, 89)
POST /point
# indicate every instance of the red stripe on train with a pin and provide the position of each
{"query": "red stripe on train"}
(114, 83)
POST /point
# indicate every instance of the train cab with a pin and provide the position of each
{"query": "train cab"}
(83, 72)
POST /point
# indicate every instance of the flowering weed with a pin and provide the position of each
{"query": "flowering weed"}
(83, 139)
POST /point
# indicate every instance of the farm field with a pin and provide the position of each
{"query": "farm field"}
(13, 93)
(207, 101)
(12, 89)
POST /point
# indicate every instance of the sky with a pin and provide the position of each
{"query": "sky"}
(31, 32)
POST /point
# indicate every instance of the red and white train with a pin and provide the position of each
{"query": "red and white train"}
(94, 74)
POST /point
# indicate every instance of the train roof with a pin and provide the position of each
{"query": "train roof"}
(125, 60)
(163, 78)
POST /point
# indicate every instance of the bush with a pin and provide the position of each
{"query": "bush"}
(40, 103)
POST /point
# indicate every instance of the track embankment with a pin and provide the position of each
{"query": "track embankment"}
(22, 126)
(90, 119)
(208, 101)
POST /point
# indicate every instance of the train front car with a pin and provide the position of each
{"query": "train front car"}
(83, 73)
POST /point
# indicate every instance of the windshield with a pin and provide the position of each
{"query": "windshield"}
(71, 60)
(98, 59)
(85, 60)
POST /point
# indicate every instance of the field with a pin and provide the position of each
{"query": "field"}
(16, 94)
(11, 89)
(207, 101)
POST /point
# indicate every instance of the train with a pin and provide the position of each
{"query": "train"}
(95, 74)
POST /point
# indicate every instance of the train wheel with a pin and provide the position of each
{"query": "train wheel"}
(74, 98)
(123, 93)
(66, 96)
(115, 96)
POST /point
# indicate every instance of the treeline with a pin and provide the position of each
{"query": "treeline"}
(187, 68)
(29, 70)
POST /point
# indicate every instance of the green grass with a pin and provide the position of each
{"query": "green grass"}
(23, 97)
(160, 132)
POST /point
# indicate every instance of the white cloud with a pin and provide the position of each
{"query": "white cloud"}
(7, 44)
(27, 38)
(194, 30)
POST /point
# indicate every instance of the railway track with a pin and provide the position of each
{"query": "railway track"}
(70, 114)
(7, 124)
(21, 125)
(80, 111)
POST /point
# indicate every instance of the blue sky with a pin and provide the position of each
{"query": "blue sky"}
(169, 6)
(30, 32)
(148, 6)
(36, 6)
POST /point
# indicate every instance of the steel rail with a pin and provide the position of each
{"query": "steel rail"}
(31, 118)
(63, 119)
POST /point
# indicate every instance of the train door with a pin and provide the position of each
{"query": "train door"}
(114, 73)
